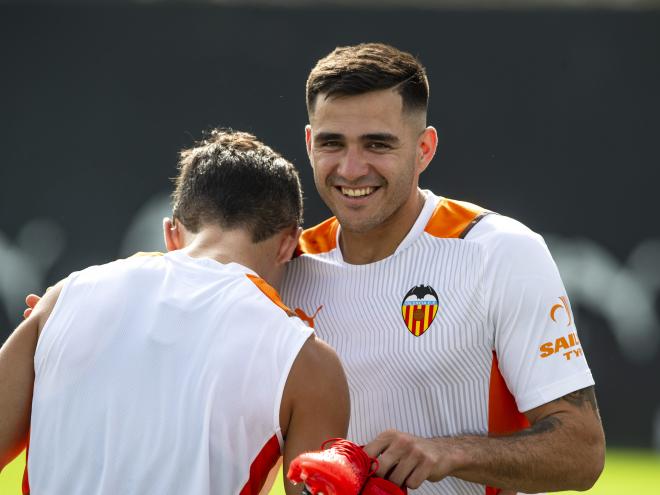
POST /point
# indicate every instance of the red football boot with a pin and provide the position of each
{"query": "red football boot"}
(381, 486)
(340, 470)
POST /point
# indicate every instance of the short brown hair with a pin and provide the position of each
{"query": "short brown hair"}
(353, 70)
(233, 179)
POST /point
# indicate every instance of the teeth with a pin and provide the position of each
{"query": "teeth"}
(354, 193)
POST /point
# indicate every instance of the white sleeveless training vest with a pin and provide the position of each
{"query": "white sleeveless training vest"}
(161, 375)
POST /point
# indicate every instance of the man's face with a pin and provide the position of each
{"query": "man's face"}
(365, 152)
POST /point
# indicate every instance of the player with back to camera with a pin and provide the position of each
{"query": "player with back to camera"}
(184, 372)
(452, 323)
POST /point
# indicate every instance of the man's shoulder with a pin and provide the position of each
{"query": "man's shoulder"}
(116, 267)
(494, 232)
(452, 218)
(321, 238)
(272, 299)
(495, 229)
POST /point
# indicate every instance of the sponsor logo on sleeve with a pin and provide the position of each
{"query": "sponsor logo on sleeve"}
(562, 307)
(418, 308)
(567, 345)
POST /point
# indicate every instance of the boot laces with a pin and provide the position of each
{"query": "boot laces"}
(354, 453)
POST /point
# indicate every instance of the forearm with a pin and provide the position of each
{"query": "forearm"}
(559, 452)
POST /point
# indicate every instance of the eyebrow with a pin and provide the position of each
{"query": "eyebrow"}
(380, 136)
(377, 136)
(329, 136)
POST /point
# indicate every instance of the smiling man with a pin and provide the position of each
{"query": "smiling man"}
(439, 309)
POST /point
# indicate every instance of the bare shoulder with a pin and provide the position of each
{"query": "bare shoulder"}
(316, 366)
(316, 385)
(316, 404)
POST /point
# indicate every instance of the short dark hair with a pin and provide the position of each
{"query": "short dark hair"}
(233, 179)
(354, 70)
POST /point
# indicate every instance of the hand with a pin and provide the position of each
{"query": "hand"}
(408, 460)
(31, 301)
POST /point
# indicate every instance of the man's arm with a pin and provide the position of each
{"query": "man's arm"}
(315, 405)
(563, 449)
(17, 379)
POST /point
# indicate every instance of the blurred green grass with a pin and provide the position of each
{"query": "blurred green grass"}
(626, 472)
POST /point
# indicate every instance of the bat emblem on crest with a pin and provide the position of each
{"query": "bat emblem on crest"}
(419, 307)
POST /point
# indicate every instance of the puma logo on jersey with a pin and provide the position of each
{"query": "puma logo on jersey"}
(419, 308)
(308, 319)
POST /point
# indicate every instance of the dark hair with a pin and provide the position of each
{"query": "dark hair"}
(354, 70)
(233, 179)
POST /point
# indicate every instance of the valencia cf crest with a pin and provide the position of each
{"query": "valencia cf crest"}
(419, 308)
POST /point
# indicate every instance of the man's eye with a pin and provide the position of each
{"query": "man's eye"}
(379, 146)
(330, 144)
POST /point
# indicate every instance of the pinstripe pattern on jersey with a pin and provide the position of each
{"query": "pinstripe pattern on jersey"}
(430, 385)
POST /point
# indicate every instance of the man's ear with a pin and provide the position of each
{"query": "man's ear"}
(288, 244)
(173, 234)
(426, 147)
(308, 140)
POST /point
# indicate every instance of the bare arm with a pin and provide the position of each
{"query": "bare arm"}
(17, 379)
(315, 406)
(563, 449)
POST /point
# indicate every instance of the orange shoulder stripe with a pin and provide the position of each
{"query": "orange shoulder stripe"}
(452, 218)
(270, 292)
(319, 239)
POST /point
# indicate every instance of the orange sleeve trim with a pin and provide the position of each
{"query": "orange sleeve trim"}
(319, 239)
(263, 463)
(270, 292)
(452, 218)
(25, 484)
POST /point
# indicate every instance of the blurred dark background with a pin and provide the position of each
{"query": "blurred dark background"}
(549, 115)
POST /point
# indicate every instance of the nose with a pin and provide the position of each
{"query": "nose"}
(352, 165)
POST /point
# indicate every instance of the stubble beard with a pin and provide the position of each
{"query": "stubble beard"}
(366, 224)
(389, 206)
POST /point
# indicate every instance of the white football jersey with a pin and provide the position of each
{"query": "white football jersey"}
(161, 375)
(464, 327)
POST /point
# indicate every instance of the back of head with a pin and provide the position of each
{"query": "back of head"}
(354, 70)
(234, 180)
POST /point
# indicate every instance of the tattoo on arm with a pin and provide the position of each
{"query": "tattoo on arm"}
(545, 425)
(581, 397)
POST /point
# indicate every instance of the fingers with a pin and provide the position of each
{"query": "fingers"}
(31, 300)
(380, 443)
(407, 460)
(401, 471)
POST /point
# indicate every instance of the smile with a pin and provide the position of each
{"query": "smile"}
(356, 192)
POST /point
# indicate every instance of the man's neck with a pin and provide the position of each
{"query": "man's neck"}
(224, 246)
(361, 248)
